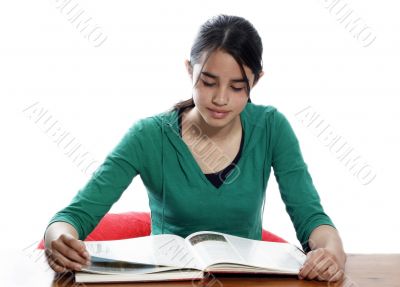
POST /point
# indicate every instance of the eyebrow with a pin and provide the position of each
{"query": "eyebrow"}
(208, 74)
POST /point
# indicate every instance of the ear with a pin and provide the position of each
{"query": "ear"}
(189, 68)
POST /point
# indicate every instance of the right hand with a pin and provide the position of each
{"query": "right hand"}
(67, 253)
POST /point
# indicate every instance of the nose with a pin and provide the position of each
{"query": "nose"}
(220, 98)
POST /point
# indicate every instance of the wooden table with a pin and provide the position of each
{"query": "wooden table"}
(28, 267)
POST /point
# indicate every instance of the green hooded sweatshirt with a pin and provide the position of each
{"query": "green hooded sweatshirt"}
(181, 198)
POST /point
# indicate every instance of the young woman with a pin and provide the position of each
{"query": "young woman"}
(206, 162)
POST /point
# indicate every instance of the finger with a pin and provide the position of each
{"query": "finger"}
(56, 254)
(320, 269)
(329, 272)
(338, 276)
(307, 266)
(63, 261)
(316, 271)
(54, 262)
(313, 258)
(68, 252)
(77, 245)
(56, 267)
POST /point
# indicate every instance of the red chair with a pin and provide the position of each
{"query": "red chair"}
(114, 226)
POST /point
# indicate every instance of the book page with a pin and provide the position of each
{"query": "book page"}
(163, 249)
(108, 266)
(269, 255)
(212, 247)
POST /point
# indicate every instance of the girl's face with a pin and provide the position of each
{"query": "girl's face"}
(220, 94)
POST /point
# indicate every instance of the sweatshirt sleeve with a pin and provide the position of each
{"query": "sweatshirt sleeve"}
(106, 184)
(295, 183)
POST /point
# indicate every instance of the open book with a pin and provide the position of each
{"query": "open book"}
(171, 257)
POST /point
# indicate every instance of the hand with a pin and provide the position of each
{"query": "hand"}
(323, 265)
(67, 252)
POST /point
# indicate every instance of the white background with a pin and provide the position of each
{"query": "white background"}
(96, 93)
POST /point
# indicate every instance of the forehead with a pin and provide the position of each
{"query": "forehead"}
(223, 65)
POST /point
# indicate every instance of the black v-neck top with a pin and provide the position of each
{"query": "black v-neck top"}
(217, 178)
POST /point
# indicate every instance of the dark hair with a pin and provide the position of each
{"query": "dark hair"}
(233, 35)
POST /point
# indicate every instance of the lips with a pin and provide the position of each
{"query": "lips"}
(218, 111)
(218, 114)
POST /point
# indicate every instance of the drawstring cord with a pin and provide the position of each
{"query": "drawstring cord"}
(162, 164)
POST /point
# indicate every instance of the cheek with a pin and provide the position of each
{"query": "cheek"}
(239, 100)
(199, 96)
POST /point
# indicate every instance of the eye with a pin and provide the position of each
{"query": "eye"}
(208, 84)
(213, 84)
(237, 89)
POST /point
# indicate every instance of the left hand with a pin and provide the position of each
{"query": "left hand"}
(323, 265)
